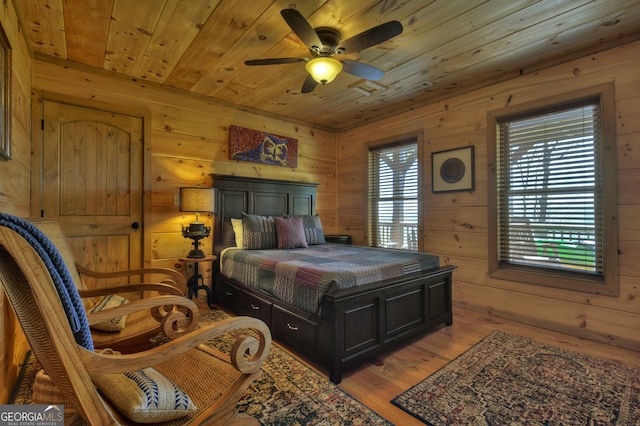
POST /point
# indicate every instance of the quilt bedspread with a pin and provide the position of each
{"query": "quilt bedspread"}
(301, 277)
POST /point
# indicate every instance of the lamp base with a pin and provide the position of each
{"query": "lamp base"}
(196, 253)
(196, 231)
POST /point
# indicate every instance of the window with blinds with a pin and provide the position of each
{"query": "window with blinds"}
(549, 190)
(393, 196)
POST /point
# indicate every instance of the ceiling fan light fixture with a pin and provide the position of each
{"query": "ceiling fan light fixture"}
(324, 69)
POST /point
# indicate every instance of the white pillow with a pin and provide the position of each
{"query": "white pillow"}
(107, 302)
(238, 230)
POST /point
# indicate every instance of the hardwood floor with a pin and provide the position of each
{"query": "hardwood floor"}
(376, 385)
(377, 382)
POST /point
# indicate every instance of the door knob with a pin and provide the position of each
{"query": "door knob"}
(135, 225)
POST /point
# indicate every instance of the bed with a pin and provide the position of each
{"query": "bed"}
(338, 324)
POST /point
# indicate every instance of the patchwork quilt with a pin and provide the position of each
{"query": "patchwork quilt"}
(301, 277)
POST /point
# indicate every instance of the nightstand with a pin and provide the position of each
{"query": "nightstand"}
(338, 238)
(196, 281)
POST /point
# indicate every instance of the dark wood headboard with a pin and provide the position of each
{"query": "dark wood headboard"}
(266, 197)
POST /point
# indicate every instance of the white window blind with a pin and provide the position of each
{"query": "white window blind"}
(549, 190)
(393, 196)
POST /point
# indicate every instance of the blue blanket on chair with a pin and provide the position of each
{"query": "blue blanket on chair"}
(67, 291)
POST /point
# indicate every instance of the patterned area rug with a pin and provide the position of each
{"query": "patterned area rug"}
(288, 393)
(511, 380)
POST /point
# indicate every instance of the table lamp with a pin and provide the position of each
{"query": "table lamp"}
(198, 200)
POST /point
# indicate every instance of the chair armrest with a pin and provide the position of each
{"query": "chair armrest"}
(176, 315)
(161, 288)
(175, 276)
(247, 354)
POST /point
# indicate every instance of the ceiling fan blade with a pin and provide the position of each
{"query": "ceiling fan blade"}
(308, 85)
(371, 37)
(302, 28)
(275, 61)
(359, 69)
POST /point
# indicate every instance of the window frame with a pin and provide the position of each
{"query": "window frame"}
(607, 284)
(409, 138)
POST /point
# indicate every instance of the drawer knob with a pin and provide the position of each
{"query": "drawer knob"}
(228, 293)
(292, 327)
(255, 307)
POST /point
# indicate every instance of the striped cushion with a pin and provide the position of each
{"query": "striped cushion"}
(259, 232)
(107, 302)
(313, 229)
(145, 396)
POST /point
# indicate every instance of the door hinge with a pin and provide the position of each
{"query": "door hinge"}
(42, 124)
(42, 213)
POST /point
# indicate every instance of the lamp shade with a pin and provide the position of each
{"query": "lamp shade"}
(196, 199)
(324, 69)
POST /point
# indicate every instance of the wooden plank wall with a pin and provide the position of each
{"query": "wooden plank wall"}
(15, 182)
(187, 140)
(455, 224)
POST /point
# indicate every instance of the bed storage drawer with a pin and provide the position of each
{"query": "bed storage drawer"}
(293, 329)
(254, 306)
(229, 295)
(244, 303)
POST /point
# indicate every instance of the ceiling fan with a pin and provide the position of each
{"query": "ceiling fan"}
(324, 43)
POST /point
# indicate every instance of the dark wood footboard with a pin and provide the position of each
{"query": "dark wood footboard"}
(355, 325)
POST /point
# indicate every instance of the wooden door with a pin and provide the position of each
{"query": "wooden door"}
(92, 184)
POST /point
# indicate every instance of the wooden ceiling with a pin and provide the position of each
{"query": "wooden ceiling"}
(447, 47)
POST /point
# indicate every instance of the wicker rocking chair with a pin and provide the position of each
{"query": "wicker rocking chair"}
(145, 317)
(207, 381)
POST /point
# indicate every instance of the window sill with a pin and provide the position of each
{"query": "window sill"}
(565, 280)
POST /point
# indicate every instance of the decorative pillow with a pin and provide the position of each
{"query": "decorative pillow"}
(290, 233)
(145, 396)
(259, 232)
(107, 302)
(313, 230)
(238, 231)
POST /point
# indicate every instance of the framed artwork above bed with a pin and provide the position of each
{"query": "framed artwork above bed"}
(262, 147)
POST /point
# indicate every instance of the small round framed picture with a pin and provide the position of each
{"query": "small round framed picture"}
(453, 170)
